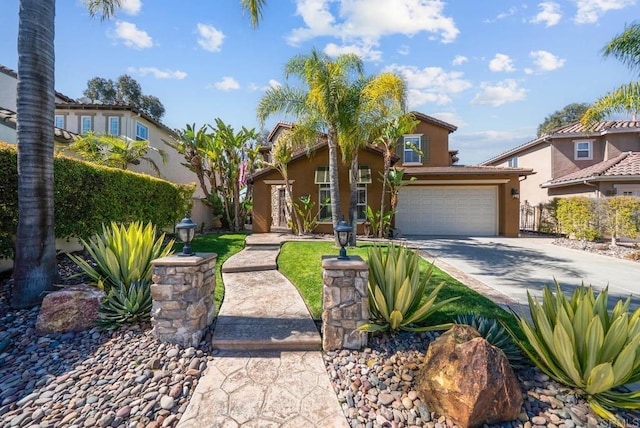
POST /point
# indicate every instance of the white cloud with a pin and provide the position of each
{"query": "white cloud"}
(546, 61)
(589, 11)
(459, 60)
(131, 7)
(502, 15)
(549, 14)
(369, 20)
(404, 50)
(272, 84)
(499, 93)
(501, 62)
(131, 36)
(367, 53)
(227, 84)
(157, 73)
(430, 84)
(210, 38)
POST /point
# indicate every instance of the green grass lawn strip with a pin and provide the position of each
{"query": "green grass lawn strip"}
(301, 263)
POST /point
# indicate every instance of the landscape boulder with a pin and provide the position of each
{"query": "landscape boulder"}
(468, 380)
(74, 308)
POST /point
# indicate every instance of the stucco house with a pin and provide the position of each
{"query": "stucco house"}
(444, 199)
(571, 161)
(73, 117)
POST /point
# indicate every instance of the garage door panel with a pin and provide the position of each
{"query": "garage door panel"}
(462, 211)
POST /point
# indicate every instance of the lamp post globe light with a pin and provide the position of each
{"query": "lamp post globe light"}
(186, 231)
(343, 229)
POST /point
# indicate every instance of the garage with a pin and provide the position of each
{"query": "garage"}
(448, 210)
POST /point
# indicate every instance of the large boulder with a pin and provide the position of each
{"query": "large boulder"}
(468, 380)
(74, 308)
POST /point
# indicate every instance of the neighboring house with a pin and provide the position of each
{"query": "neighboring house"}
(571, 161)
(444, 199)
(77, 118)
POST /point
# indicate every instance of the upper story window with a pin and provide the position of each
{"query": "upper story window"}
(59, 121)
(411, 143)
(86, 124)
(113, 125)
(142, 132)
(583, 150)
(513, 162)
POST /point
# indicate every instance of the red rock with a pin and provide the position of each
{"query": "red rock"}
(469, 380)
(73, 308)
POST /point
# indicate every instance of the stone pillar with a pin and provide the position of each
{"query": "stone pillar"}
(345, 302)
(182, 294)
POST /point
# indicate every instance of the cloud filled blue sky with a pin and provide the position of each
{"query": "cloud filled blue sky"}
(493, 68)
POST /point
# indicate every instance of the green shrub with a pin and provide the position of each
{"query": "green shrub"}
(620, 217)
(578, 217)
(87, 196)
(396, 292)
(496, 334)
(125, 304)
(123, 254)
(579, 343)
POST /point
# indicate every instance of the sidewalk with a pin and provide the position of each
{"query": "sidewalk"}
(267, 368)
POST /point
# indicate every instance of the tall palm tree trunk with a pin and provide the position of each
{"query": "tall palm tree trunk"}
(385, 173)
(334, 190)
(35, 259)
(353, 198)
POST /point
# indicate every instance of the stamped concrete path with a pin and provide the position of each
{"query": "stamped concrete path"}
(267, 368)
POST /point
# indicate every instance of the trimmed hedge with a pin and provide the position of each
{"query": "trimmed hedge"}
(87, 195)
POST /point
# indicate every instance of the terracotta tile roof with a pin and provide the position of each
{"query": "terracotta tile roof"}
(514, 151)
(10, 117)
(462, 169)
(281, 124)
(624, 165)
(600, 127)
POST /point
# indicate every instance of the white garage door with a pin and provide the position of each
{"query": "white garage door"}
(461, 211)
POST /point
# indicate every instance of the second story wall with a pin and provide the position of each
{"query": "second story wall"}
(568, 154)
(617, 143)
(435, 146)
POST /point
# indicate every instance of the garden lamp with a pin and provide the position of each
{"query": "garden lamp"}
(343, 229)
(186, 231)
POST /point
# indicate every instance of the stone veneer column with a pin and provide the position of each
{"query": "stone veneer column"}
(345, 302)
(182, 294)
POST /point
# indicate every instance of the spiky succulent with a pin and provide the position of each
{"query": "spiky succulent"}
(125, 304)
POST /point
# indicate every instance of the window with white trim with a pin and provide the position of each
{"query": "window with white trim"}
(583, 150)
(59, 121)
(513, 162)
(113, 125)
(361, 202)
(142, 132)
(86, 124)
(324, 196)
(410, 144)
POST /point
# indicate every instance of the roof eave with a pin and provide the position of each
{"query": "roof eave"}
(591, 179)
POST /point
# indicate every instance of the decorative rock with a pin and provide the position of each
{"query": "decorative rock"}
(167, 402)
(469, 380)
(74, 308)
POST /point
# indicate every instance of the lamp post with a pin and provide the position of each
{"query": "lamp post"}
(343, 229)
(186, 231)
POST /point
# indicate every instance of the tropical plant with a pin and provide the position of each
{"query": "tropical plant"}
(495, 333)
(396, 292)
(379, 222)
(35, 261)
(115, 151)
(578, 342)
(123, 254)
(304, 209)
(626, 99)
(125, 304)
(321, 107)
(395, 181)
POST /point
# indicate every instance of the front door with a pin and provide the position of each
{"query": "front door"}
(282, 208)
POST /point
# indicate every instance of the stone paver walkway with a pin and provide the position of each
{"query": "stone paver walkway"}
(267, 370)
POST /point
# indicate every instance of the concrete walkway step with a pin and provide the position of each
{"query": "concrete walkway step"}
(253, 258)
(263, 311)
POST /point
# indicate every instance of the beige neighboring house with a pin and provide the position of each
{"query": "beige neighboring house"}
(77, 118)
(572, 161)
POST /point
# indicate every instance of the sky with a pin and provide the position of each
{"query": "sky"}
(495, 69)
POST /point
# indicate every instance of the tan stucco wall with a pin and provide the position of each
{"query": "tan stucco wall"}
(437, 152)
(538, 159)
(618, 143)
(302, 172)
(563, 155)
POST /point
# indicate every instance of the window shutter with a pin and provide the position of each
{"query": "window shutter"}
(322, 175)
(424, 147)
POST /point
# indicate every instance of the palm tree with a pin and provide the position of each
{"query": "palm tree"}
(281, 156)
(626, 99)
(35, 258)
(320, 108)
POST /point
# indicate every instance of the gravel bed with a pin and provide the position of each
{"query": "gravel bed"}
(624, 250)
(124, 378)
(376, 388)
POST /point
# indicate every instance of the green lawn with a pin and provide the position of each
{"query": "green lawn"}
(224, 245)
(301, 262)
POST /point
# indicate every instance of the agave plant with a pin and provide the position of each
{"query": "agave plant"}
(495, 333)
(123, 254)
(579, 343)
(396, 292)
(125, 304)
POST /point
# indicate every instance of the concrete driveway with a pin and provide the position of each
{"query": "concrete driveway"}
(514, 265)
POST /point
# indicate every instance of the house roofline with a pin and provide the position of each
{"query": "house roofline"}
(516, 150)
(441, 123)
(591, 179)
